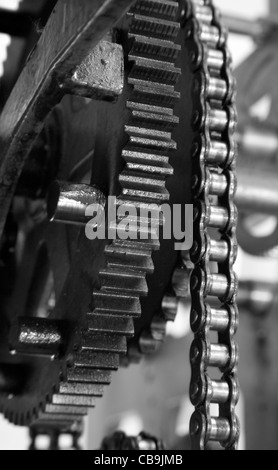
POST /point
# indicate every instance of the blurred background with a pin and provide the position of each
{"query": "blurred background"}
(153, 396)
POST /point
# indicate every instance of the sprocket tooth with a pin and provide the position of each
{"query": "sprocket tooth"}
(117, 304)
(94, 360)
(74, 400)
(127, 282)
(157, 8)
(76, 388)
(111, 324)
(103, 343)
(135, 260)
(154, 27)
(66, 410)
(148, 47)
(86, 375)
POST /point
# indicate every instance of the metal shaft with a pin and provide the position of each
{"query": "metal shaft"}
(37, 336)
(68, 203)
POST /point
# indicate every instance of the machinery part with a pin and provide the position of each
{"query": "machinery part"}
(120, 441)
(68, 203)
(148, 133)
(214, 186)
(59, 392)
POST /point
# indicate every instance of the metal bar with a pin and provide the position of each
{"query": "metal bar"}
(69, 36)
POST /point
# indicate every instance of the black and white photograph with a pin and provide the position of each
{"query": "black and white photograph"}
(138, 228)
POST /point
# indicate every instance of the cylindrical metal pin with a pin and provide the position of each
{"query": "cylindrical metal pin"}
(68, 203)
(218, 153)
(210, 34)
(217, 88)
(218, 184)
(218, 120)
(218, 356)
(219, 251)
(219, 320)
(218, 217)
(217, 285)
(204, 13)
(215, 59)
(220, 391)
(37, 336)
(220, 430)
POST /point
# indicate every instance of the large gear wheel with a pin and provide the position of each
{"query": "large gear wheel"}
(144, 128)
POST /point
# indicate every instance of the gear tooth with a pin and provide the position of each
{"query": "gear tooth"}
(155, 121)
(157, 8)
(133, 259)
(154, 27)
(85, 375)
(74, 400)
(141, 105)
(166, 170)
(75, 388)
(93, 360)
(141, 181)
(117, 304)
(59, 422)
(164, 73)
(128, 282)
(66, 410)
(149, 132)
(103, 343)
(143, 245)
(155, 94)
(141, 155)
(153, 143)
(109, 324)
(150, 47)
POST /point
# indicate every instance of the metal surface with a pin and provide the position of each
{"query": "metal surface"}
(68, 203)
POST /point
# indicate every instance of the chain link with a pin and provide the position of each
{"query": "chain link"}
(214, 285)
